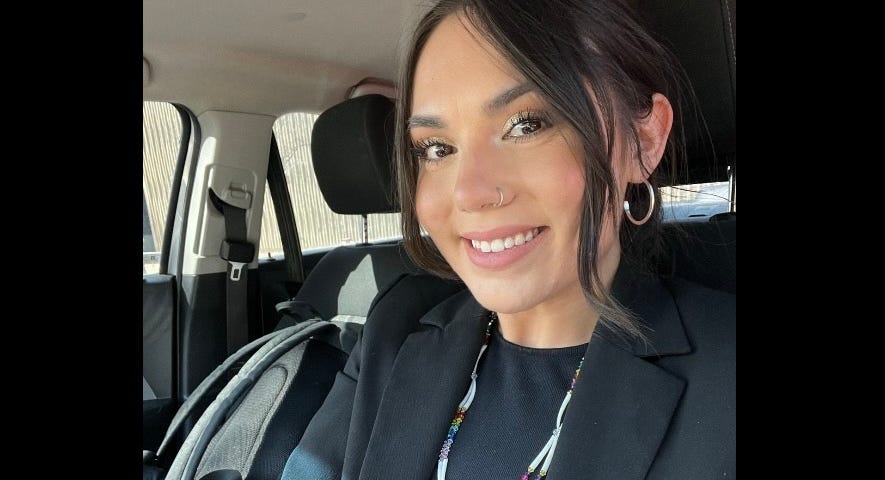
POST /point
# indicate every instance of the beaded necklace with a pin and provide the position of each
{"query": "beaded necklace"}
(546, 453)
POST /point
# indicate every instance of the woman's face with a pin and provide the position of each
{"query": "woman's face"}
(478, 128)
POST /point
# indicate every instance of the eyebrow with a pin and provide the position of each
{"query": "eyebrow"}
(492, 106)
(503, 99)
(424, 121)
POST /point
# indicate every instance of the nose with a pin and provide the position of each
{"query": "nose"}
(479, 185)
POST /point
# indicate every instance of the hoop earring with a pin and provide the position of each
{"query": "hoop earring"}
(651, 206)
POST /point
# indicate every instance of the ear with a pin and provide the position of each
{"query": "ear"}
(653, 131)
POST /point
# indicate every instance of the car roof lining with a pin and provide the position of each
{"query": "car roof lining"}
(275, 56)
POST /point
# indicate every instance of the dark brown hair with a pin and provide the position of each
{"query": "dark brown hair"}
(562, 46)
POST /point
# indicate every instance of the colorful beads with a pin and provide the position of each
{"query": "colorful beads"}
(537, 476)
(444, 452)
(577, 374)
(453, 430)
(462, 411)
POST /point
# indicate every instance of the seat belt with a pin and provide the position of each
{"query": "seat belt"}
(238, 253)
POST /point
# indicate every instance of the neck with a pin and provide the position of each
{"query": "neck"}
(551, 326)
(565, 321)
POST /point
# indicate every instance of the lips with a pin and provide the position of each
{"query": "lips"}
(499, 248)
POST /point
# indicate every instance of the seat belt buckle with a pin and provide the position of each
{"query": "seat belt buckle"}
(238, 254)
(235, 269)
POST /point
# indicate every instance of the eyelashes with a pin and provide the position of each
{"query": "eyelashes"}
(520, 127)
(526, 124)
(431, 149)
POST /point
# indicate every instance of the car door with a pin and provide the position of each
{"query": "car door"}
(165, 131)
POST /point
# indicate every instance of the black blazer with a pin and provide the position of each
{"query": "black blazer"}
(662, 410)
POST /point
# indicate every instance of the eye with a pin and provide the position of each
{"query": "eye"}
(432, 149)
(526, 124)
(526, 127)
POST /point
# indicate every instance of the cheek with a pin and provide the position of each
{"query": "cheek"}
(559, 178)
(428, 202)
(566, 190)
(571, 187)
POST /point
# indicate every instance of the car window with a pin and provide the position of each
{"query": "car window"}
(695, 201)
(161, 128)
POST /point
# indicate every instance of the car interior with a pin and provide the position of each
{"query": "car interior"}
(217, 304)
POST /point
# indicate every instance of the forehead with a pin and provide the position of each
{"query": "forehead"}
(458, 62)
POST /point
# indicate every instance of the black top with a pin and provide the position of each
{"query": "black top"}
(518, 393)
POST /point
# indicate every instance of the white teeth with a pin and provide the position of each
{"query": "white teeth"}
(501, 244)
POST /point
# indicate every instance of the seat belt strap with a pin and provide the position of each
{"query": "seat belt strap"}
(238, 253)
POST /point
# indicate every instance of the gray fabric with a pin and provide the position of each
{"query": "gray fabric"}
(348, 319)
(348, 278)
(158, 292)
(276, 347)
(313, 380)
(351, 326)
(235, 444)
(519, 392)
(147, 393)
(258, 346)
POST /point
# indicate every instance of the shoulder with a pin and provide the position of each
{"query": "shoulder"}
(709, 324)
(691, 294)
(708, 316)
(705, 422)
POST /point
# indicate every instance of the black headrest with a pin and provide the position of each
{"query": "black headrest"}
(702, 35)
(352, 149)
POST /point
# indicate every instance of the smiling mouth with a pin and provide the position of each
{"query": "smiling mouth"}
(506, 243)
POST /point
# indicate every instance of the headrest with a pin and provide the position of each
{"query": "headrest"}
(702, 35)
(352, 149)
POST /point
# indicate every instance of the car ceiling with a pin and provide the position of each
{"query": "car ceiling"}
(269, 56)
(277, 56)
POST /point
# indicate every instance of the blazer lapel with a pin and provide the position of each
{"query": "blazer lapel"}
(622, 405)
(617, 417)
(429, 378)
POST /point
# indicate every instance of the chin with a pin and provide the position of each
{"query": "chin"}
(501, 298)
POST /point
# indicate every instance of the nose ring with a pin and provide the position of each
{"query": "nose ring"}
(500, 199)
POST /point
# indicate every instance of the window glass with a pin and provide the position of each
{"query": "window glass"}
(161, 127)
(271, 244)
(694, 201)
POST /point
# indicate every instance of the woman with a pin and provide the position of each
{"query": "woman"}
(522, 129)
